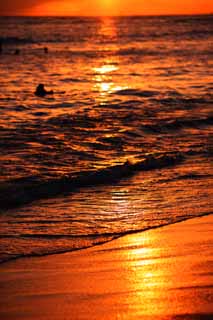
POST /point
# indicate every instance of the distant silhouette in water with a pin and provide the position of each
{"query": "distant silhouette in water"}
(41, 91)
(46, 50)
(17, 52)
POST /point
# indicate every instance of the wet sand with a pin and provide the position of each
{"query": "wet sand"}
(165, 273)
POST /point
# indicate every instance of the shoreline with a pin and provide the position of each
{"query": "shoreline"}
(125, 234)
(163, 273)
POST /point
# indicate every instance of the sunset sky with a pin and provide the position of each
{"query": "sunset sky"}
(104, 7)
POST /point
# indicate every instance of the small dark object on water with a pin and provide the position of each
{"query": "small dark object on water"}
(1, 48)
(17, 52)
(41, 91)
(46, 50)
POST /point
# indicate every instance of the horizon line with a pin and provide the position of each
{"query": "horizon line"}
(105, 16)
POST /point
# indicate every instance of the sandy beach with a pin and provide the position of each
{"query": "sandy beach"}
(164, 273)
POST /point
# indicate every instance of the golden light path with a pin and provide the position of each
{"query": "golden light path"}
(103, 79)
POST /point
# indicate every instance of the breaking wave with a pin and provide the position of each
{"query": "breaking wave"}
(21, 191)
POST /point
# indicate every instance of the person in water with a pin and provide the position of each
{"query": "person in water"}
(17, 52)
(41, 91)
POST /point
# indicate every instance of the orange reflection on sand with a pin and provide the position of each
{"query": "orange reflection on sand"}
(158, 274)
(147, 280)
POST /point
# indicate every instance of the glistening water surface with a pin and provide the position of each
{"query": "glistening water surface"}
(123, 144)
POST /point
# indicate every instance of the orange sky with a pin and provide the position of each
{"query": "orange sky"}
(105, 7)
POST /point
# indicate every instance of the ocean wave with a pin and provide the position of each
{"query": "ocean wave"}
(203, 33)
(137, 93)
(164, 127)
(181, 100)
(20, 191)
(136, 51)
(16, 40)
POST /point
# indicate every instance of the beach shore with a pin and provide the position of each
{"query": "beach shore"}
(166, 273)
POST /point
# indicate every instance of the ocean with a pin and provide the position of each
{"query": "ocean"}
(125, 142)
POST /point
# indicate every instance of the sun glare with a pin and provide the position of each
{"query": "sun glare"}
(66, 8)
(116, 7)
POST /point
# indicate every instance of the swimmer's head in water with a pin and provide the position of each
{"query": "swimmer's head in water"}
(40, 86)
(41, 91)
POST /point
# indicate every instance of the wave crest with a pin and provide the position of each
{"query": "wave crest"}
(21, 191)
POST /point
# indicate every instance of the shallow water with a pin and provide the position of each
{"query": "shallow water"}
(125, 142)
